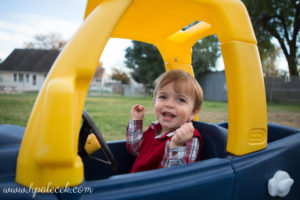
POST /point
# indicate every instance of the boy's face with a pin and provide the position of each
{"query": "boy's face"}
(172, 108)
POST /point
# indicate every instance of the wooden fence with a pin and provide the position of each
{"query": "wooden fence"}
(283, 89)
(279, 89)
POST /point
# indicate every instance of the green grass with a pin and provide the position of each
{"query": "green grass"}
(15, 109)
(280, 107)
(214, 106)
(111, 114)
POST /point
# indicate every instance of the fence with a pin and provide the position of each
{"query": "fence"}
(283, 89)
(278, 89)
(214, 86)
(118, 89)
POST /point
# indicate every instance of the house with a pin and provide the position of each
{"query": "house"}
(25, 70)
(134, 89)
(98, 81)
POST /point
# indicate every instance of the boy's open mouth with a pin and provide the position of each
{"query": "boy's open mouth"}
(168, 115)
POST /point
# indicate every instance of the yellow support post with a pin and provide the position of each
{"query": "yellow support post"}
(246, 98)
(48, 152)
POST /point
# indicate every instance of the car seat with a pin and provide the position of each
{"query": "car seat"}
(214, 140)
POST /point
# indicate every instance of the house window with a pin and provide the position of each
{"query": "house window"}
(15, 77)
(27, 78)
(21, 77)
(33, 79)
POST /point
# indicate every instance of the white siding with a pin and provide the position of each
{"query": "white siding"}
(18, 84)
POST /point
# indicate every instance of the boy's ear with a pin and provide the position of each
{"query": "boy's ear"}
(194, 113)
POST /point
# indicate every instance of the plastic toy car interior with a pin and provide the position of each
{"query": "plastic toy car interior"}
(240, 158)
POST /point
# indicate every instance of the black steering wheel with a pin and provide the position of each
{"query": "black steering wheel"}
(88, 127)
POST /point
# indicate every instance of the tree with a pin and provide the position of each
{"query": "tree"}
(268, 64)
(147, 64)
(47, 41)
(281, 20)
(145, 61)
(120, 76)
(205, 55)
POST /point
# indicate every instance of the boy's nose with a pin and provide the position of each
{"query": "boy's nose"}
(169, 103)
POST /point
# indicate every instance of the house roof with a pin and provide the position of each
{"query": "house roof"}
(99, 72)
(29, 60)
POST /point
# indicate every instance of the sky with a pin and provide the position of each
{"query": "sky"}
(21, 20)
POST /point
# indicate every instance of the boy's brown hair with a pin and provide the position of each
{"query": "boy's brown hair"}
(178, 76)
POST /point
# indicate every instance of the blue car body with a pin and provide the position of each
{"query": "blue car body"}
(218, 175)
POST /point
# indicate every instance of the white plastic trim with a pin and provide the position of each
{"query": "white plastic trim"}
(280, 184)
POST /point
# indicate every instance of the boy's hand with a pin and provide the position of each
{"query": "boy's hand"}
(182, 135)
(137, 112)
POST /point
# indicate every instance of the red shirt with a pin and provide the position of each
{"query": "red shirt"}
(153, 150)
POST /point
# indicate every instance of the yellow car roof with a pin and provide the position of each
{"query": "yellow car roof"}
(49, 148)
(156, 20)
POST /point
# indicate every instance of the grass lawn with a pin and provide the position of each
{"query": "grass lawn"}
(111, 114)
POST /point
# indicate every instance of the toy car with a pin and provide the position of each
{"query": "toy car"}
(246, 158)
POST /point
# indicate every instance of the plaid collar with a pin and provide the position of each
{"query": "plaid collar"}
(156, 126)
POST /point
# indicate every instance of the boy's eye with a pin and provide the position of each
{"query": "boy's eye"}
(162, 97)
(181, 100)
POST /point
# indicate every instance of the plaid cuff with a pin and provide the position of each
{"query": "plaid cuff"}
(176, 153)
(134, 136)
(173, 156)
(135, 131)
(135, 124)
(180, 155)
(192, 149)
